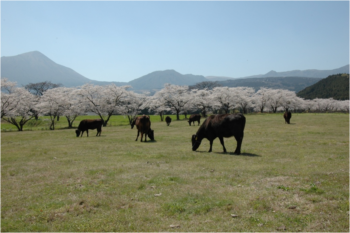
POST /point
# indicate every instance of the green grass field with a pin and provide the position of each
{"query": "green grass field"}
(288, 178)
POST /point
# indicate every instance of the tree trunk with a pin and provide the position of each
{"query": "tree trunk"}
(177, 115)
(204, 113)
(52, 126)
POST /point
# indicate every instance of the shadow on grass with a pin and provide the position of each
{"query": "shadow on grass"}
(232, 153)
(151, 141)
(242, 154)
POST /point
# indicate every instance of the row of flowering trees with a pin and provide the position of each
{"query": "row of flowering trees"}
(18, 105)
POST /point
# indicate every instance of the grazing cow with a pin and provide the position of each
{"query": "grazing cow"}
(85, 125)
(143, 125)
(287, 115)
(168, 120)
(193, 118)
(133, 123)
(221, 125)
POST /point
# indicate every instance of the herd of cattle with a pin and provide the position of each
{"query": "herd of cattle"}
(214, 126)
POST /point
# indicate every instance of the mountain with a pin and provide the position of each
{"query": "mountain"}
(217, 78)
(289, 83)
(308, 73)
(312, 73)
(33, 67)
(157, 79)
(334, 86)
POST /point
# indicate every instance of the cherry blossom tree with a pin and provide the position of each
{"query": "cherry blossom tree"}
(8, 100)
(18, 109)
(343, 105)
(133, 104)
(104, 100)
(72, 104)
(202, 100)
(175, 97)
(224, 98)
(321, 105)
(275, 99)
(261, 99)
(52, 103)
(243, 97)
(157, 105)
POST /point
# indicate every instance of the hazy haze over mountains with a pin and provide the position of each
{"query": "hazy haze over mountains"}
(35, 67)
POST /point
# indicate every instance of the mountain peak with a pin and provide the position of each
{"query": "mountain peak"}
(272, 72)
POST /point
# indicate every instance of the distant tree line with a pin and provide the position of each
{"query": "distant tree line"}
(19, 104)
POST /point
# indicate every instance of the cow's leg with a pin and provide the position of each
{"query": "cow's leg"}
(222, 143)
(211, 145)
(146, 136)
(141, 136)
(239, 139)
(82, 132)
(138, 133)
(199, 122)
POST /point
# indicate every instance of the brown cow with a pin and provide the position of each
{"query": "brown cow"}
(143, 125)
(85, 125)
(168, 120)
(287, 115)
(222, 125)
(193, 118)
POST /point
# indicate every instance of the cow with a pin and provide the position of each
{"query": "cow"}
(287, 115)
(133, 123)
(168, 120)
(193, 118)
(221, 125)
(143, 125)
(85, 125)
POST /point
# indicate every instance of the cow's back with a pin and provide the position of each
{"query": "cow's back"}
(225, 125)
(195, 117)
(143, 123)
(90, 124)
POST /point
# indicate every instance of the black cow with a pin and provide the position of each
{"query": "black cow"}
(143, 125)
(85, 125)
(193, 118)
(222, 125)
(287, 115)
(168, 120)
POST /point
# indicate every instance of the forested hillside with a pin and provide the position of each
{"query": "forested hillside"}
(334, 86)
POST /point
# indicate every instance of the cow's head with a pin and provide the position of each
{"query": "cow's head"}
(151, 134)
(77, 132)
(195, 142)
(133, 123)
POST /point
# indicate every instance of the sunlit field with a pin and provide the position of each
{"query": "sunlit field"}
(288, 178)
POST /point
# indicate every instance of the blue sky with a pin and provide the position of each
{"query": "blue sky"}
(122, 41)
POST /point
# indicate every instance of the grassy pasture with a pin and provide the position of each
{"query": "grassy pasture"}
(288, 178)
